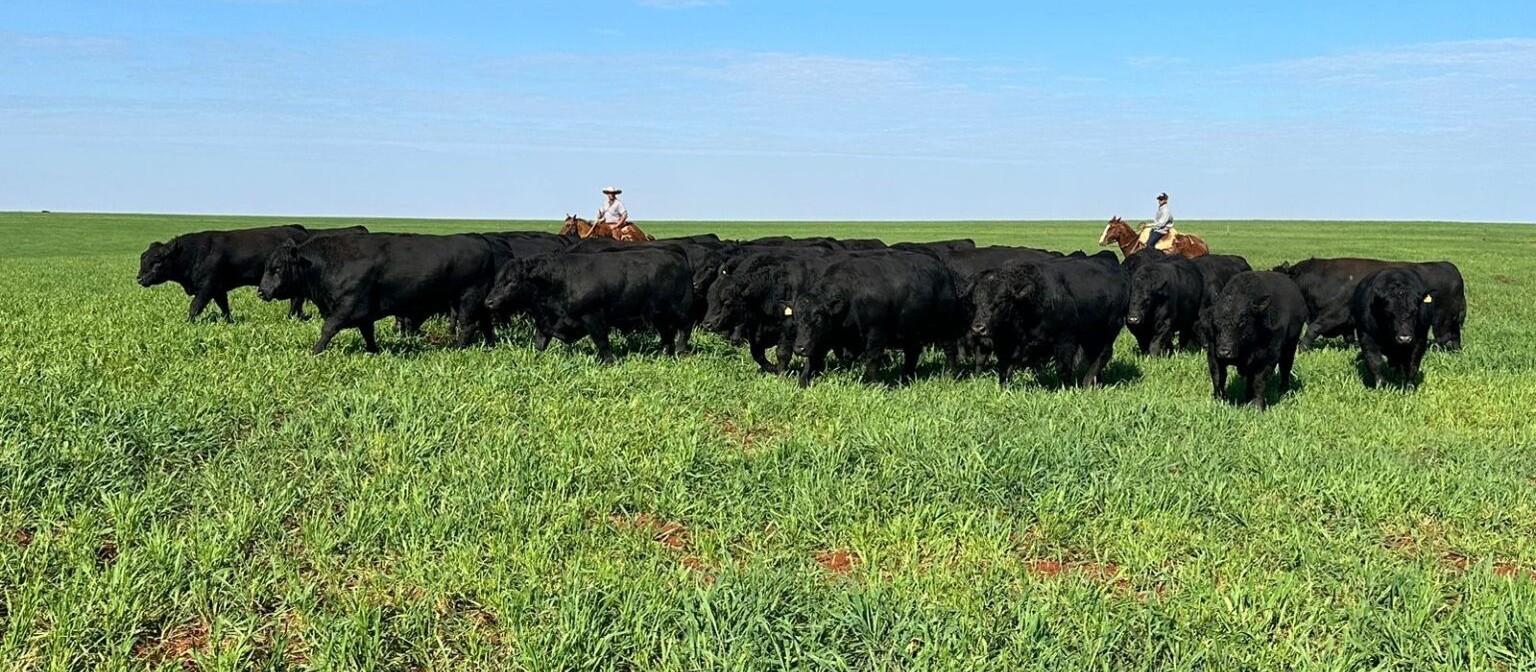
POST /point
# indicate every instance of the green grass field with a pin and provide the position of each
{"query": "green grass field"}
(174, 492)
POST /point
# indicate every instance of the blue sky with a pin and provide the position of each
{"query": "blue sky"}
(770, 109)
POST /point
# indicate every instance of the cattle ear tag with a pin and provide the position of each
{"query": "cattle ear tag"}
(1429, 299)
(788, 311)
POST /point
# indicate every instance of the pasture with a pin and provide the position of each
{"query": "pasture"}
(174, 492)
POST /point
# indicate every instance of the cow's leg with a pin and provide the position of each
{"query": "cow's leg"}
(1097, 364)
(1308, 337)
(1373, 360)
(952, 358)
(540, 341)
(1327, 323)
(1143, 341)
(488, 328)
(222, 300)
(1004, 370)
(758, 347)
(683, 342)
(296, 309)
(328, 331)
(598, 330)
(1287, 361)
(1065, 355)
(199, 302)
(912, 353)
(1259, 383)
(1414, 360)
(668, 336)
(465, 329)
(784, 352)
(1218, 374)
(872, 361)
(369, 343)
(813, 364)
(1162, 341)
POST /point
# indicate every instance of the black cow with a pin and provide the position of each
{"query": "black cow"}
(723, 259)
(1254, 324)
(786, 241)
(1166, 298)
(358, 280)
(505, 246)
(865, 303)
(1053, 311)
(208, 264)
(573, 295)
(1217, 269)
(860, 244)
(748, 297)
(966, 265)
(1329, 284)
(1391, 310)
(1136, 261)
(940, 247)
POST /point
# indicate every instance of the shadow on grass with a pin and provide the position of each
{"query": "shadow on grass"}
(1237, 387)
(1392, 377)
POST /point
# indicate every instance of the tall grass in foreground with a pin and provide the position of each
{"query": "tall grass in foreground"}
(175, 492)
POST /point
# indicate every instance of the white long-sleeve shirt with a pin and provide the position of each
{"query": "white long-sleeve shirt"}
(611, 213)
(1164, 220)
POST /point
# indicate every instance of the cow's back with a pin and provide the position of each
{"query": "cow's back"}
(236, 258)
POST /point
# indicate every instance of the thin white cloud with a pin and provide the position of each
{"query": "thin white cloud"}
(681, 4)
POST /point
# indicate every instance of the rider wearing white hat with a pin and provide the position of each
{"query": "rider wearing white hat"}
(613, 212)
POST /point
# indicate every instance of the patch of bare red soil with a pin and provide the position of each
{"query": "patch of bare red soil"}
(839, 561)
(178, 644)
(669, 534)
(1510, 570)
(1104, 573)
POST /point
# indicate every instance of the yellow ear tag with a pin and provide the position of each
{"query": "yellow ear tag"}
(788, 311)
(1429, 299)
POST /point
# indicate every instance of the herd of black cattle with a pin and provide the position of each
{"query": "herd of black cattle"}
(1000, 305)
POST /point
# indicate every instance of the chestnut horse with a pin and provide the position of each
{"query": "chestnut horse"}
(1117, 231)
(629, 233)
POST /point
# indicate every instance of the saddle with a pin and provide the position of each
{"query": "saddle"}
(1165, 243)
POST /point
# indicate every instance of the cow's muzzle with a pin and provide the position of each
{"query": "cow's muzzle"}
(979, 328)
(1133, 319)
(1405, 339)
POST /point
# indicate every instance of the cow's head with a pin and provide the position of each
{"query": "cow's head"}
(1401, 305)
(725, 303)
(813, 315)
(158, 264)
(1001, 297)
(1149, 286)
(284, 274)
(1234, 321)
(511, 286)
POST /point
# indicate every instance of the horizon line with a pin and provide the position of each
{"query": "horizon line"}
(747, 221)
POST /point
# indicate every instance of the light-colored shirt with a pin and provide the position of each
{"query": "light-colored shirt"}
(611, 213)
(1164, 220)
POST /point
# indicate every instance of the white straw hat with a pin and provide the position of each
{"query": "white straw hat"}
(612, 190)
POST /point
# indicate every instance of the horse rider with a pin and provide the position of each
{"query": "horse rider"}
(1162, 224)
(613, 212)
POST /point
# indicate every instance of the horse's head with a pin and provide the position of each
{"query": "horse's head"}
(1114, 231)
(570, 225)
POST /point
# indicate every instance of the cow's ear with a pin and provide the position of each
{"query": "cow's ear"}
(1261, 303)
(1021, 291)
(837, 305)
(786, 309)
